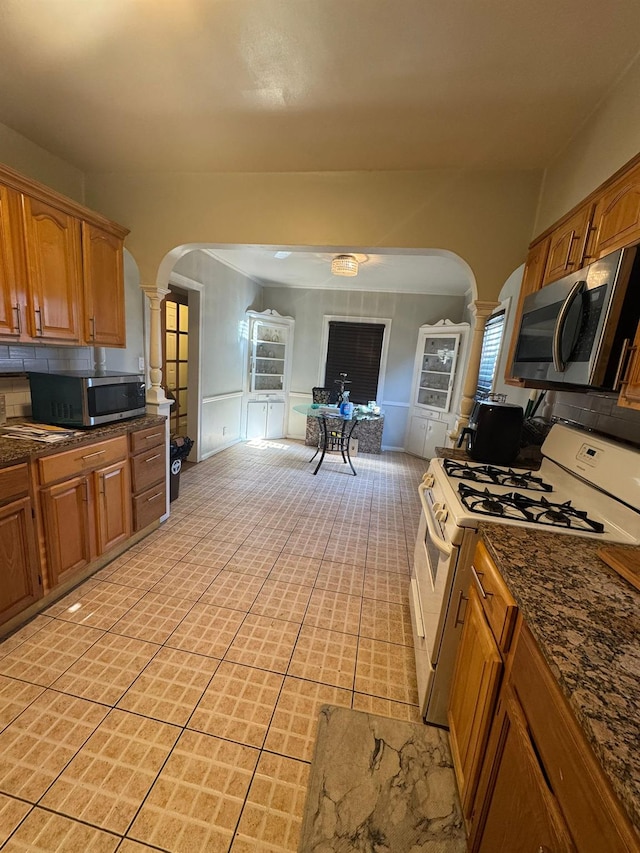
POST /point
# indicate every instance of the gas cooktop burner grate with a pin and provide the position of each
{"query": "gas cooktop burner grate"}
(501, 506)
(558, 515)
(495, 476)
(525, 508)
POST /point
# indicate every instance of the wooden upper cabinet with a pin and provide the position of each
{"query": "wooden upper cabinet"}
(618, 214)
(531, 282)
(9, 304)
(102, 254)
(568, 245)
(630, 388)
(61, 268)
(54, 270)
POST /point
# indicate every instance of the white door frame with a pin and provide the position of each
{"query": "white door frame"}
(324, 346)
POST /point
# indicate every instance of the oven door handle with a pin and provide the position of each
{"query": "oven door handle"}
(417, 609)
(437, 540)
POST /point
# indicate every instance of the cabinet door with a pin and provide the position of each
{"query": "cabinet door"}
(436, 436)
(102, 256)
(437, 371)
(268, 355)
(425, 434)
(416, 436)
(531, 283)
(630, 393)
(20, 582)
(474, 692)
(618, 214)
(54, 265)
(567, 245)
(10, 307)
(112, 490)
(275, 420)
(522, 812)
(256, 419)
(65, 510)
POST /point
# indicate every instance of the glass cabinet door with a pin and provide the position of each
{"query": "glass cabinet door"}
(268, 353)
(435, 383)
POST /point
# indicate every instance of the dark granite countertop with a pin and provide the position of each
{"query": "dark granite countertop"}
(586, 620)
(13, 451)
(529, 457)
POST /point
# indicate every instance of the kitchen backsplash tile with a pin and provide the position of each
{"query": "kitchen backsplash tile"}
(20, 358)
(598, 411)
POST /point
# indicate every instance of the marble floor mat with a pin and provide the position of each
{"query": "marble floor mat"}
(380, 785)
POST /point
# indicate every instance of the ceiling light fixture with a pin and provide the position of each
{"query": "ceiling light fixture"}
(344, 265)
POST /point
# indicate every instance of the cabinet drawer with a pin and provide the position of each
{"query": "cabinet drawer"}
(497, 603)
(148, 468)
(595, 818)
(14, 482)
(143, 439)
(149, 506)
(80, 459)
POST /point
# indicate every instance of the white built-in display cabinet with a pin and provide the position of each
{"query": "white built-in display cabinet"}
(268, 373)
(436, 386)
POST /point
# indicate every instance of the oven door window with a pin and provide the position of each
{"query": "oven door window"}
(109, 399)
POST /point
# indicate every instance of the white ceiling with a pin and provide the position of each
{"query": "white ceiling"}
(399, 271)
(272, 85)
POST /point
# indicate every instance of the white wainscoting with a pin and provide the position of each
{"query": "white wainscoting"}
(297, 423)
(221, 422)
(395, 424)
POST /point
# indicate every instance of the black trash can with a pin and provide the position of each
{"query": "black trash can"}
(179, 448)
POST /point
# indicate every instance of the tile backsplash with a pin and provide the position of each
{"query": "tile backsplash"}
(598, 411)
(20, 358)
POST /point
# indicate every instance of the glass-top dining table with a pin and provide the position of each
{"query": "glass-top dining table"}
(335, 438)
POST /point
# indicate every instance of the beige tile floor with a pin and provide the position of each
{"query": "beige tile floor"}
(170, 702)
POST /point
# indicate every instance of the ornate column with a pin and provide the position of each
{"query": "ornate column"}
(155, 295)
(481, 310)
(157, 402)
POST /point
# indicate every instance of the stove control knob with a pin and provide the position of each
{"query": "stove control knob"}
(428, 480)
(442, 513)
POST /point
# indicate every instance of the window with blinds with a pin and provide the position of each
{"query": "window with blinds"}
(493, 331)
(355, 349)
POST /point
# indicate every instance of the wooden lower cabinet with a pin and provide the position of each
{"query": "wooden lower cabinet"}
(476, 681)
(148, 475)
(112, 490)
(67, 529)
(20, 584)
(522, 813)
(85, 515)
(528, 778)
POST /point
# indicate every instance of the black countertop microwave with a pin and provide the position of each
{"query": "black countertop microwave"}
(86, 398)
(577, 331)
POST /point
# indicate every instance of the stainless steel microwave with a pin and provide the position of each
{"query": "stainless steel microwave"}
(86, 398)
(577, 331)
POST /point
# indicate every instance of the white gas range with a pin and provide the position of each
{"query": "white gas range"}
(572, 493)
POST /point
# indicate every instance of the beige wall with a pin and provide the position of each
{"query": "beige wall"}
(485, 217)
(24, 156)
(609, 139)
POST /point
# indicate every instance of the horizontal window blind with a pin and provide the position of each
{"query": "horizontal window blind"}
(355, 349)
(493, 331)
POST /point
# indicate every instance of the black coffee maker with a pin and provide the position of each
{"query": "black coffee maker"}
(494, 432)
